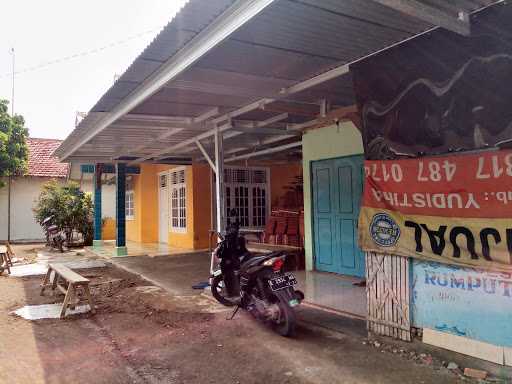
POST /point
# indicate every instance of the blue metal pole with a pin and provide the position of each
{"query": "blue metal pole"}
(121, 249)
(97, 205)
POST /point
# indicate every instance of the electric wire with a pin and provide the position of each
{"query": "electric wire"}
(80, 54)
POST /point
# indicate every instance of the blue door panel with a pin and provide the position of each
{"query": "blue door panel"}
(323, 195)
(345, 189)
(337, 189)
(325, 256)
(347, 246)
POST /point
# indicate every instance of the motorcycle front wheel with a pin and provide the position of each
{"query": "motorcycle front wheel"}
(219, 291)
(287, 323)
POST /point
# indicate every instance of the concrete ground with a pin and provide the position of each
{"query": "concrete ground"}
(145, 334)
(175, 273)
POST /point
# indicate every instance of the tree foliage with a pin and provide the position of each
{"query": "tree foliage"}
(71, 208)
(13, 143)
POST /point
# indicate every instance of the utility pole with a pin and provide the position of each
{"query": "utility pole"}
(12, 93)
(10, 176)
(9, 209)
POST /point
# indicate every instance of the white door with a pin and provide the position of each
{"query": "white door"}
(163, 209)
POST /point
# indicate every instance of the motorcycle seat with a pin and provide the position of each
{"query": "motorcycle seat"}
(259, 259)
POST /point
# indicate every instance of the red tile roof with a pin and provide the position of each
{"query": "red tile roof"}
(41, 161)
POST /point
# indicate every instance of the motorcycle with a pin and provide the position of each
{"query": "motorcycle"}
(256, 283)
(55, 237)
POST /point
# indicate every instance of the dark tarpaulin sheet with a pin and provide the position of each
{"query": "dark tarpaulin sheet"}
(441, 92)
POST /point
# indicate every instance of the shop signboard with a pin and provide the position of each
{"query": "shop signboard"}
(453, 209)
(448, 298)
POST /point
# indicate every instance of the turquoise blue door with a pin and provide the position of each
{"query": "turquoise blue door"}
(337, 190)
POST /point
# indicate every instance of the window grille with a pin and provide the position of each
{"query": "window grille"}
(129, 205)
(246, 196)
(178, 201)
(163, 181)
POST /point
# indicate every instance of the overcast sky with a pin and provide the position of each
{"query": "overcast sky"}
(45, 31)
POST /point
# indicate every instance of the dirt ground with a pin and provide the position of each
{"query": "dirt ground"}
(142, 334)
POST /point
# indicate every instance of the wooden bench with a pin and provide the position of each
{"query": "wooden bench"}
(69, 283)
(10, 253)
(5, 259)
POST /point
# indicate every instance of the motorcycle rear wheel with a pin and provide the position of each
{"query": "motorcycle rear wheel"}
(219, 291)
(287, 324)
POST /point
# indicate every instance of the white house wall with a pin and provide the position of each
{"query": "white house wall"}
(24, 194)
(3, 213)
(108, 197)
(108, 193)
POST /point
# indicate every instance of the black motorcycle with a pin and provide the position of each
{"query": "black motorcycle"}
(55, 237)
(255, 283)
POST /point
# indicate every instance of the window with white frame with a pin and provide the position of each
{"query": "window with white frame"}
(129, 205)
(178, 200)
(246, 196)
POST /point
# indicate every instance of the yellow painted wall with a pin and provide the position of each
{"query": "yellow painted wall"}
(149, 203)
(280, 177)
(202, 204)
(133, 225)
(144, 227)
(108, 229)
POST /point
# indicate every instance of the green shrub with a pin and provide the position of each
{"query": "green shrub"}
(71, 208)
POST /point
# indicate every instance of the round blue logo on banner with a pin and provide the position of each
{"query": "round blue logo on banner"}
(384, 230)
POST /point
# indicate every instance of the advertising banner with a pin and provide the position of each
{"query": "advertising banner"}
(454, 209)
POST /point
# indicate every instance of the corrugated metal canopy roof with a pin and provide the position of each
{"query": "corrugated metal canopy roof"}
(288, 42)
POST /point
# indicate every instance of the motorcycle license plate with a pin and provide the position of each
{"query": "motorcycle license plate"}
(282, 282)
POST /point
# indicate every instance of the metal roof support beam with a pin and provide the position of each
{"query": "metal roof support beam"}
(227, 117)
(160, 153)
(264, 131)
(259, 104)
(259, 125)
(219, 179)
(235, 150)
(207, 115)
(206, 156)
(431, 15)
(322, 78)
(272, 120)
(324, 106)
(265, 151)
(158, 118)
(259, 143)
(298, 127)
(211, 36)
(163, 136)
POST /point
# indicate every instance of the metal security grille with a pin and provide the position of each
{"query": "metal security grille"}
(246, 196)
(163, 181)
(259, 206)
